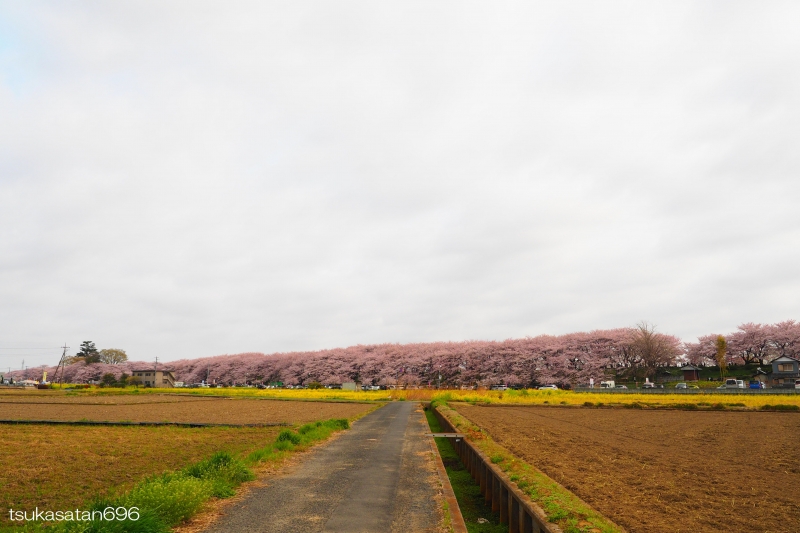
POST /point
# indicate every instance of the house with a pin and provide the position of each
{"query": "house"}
(785, 370)
(155, 378)
(761, 377)
(690, 373)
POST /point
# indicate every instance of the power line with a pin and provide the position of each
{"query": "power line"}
(44, 348)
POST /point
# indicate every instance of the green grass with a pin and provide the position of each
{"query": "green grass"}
(468, 493)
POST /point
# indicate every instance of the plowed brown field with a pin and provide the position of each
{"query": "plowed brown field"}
(175, 409)
(663, 471)
(61, 467)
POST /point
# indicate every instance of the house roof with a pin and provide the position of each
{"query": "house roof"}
(152, 370)
(786, 358)
(690, 367)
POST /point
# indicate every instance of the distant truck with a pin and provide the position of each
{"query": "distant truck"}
(607, 384)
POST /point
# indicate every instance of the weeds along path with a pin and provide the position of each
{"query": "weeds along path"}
(377, 477)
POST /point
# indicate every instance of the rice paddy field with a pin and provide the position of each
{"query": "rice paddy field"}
(62, 467)
(174, 409)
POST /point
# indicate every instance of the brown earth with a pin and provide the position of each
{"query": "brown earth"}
(63, 467)
(663, 471)
(110, 399)
(185, 410)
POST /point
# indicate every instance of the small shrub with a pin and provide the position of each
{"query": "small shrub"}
(284, 446)
(497, 459)
(588, 404)
(223, 471)
(287, 435)
(780, 407)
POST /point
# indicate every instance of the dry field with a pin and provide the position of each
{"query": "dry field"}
(60, 467)
(167, 408)
(663, 471)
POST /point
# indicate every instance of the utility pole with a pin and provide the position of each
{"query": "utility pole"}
(156, 364)
(61, 362)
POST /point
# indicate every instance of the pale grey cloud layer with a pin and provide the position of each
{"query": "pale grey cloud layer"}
(198, 178)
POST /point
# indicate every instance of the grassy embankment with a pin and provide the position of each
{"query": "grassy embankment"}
(561, 506)
(170, 498)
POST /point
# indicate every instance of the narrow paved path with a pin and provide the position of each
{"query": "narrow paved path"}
(376, 477)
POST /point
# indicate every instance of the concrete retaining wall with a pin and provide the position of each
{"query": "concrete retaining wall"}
(516, 509)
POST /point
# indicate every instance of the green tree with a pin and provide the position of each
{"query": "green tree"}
(88, 353)
(113, 356)
(109, 380)
(722, 350)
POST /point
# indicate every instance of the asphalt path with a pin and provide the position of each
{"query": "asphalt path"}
(379, 477)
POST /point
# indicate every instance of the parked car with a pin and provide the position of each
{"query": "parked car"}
(620, 387)
(681, 386)
(797, 384)
(499, 387)
(548, 387)
(648, 385)
(732, 383)
(755, 384)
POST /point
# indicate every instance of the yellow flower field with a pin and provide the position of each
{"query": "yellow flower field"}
(515, 397)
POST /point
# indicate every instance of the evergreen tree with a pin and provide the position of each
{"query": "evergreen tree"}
(89, 352)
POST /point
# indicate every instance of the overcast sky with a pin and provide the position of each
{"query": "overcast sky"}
(183, 179)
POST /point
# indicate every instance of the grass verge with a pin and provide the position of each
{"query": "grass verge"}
(562, 507)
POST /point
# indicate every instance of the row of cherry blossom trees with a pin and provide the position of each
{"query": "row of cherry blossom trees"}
(564, 359)
(750, 343)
